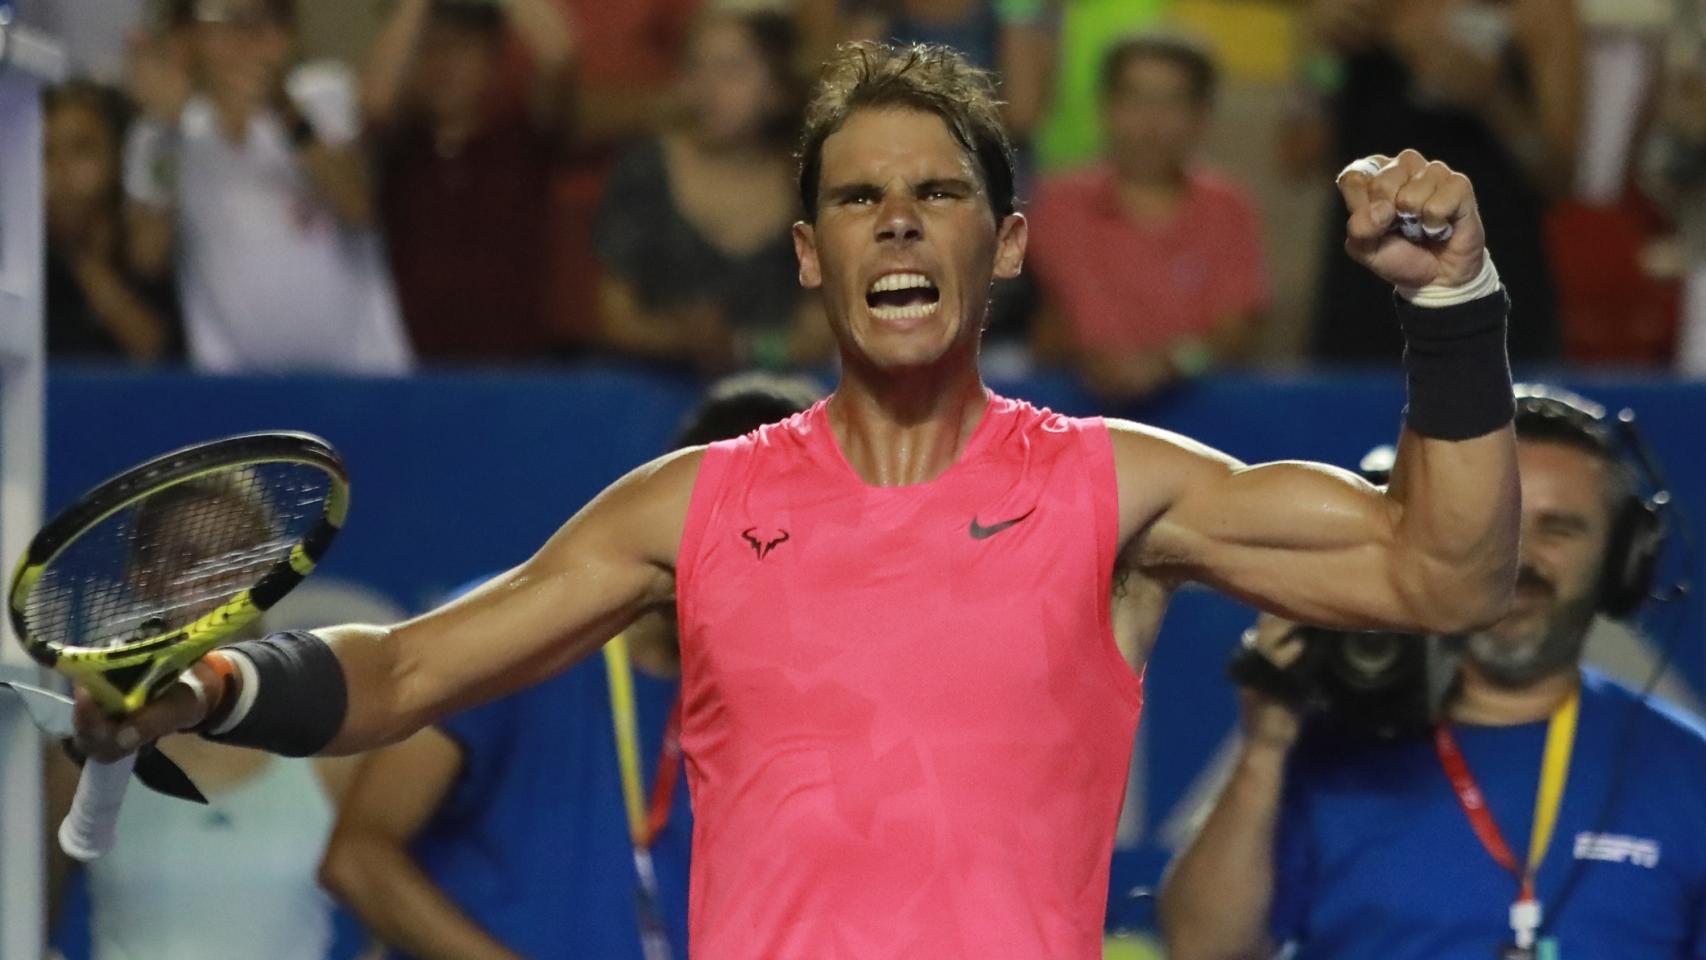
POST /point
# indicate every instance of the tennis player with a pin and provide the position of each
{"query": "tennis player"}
(906, 719)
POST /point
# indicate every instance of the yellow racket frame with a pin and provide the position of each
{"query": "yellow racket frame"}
(166, 655)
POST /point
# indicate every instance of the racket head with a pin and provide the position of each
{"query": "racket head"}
(148, 571)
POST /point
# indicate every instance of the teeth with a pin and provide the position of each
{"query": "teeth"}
(915, 311)
(902, 281)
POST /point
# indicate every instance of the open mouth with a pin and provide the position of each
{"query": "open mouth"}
(902, 296)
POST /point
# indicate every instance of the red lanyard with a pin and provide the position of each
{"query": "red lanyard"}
(668, 772)
(1475, 805)
(1555, 765)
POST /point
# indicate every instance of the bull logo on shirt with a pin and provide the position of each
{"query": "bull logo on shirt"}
(764, 541)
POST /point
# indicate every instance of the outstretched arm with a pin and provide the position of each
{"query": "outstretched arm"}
(1435, 551)
(608, 563)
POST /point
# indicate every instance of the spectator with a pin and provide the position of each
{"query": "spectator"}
(465, 170)
(1070, 134)
(1492, 87)
(623, 88)
(253, 172)
(1617, 302)
(1679, 165)
(427, 848)
(96, 305)
(694, 231)
(1151, 267)
(1355, 847)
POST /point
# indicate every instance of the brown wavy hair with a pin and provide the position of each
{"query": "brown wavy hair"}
(928, 78)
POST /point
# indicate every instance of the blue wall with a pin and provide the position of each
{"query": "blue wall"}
(457, 474)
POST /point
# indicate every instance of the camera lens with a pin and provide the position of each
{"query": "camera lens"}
(1367, 659)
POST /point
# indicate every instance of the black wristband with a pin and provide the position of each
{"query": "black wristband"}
(299, 699)
(1454, 358)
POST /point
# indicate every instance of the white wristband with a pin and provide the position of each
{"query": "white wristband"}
(189, 679)
(1440, 295)
(247, 688)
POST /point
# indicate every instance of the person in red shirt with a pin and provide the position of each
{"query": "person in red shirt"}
(906, 717)
(1151, 266)
(465, 161)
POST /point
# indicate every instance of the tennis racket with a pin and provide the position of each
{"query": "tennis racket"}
(147, 572)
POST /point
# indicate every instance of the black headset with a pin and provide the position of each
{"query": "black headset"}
(1638, 530)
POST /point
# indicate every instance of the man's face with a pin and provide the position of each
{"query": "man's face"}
(454, 70)
(1152, 119)
(201, 553)
(241, 51)
(1566, 523)
(904, 245)
(729, 90)
(81, 166)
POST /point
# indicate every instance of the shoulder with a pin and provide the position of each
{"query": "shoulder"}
(1210, 184)
(1149, 451)
(1679, 735)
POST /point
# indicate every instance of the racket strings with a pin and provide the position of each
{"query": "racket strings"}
(164, 561)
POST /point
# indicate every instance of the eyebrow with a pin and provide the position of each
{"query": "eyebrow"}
(839, 192)
(948, 184)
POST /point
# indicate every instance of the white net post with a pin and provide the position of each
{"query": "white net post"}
(27, 63)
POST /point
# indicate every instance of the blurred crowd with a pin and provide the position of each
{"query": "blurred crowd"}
(534, 181)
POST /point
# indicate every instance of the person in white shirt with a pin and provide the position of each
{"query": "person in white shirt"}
(247, 176)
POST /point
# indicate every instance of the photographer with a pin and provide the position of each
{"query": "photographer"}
(1551, 814)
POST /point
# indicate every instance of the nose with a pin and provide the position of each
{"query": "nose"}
(898, 221)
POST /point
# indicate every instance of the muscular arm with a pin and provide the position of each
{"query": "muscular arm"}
(611, 561)
(1433, 553)
(607, 564)
(1216, 897)
(367, 863)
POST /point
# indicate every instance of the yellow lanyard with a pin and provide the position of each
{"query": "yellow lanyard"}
(621, 677)
(1554, 773)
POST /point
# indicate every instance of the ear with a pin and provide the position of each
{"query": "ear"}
(1010, 242)
(805, 248)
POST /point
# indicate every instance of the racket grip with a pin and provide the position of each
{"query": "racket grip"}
(92, 825)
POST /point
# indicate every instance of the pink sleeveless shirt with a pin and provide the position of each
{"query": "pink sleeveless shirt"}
(906, 722)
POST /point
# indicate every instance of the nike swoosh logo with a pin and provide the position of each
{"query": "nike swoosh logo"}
(980, 532)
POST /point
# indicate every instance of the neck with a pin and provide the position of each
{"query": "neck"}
(900, 429)
(1150, 197)
(1149, 180)
(1484, 703)
(234, 115)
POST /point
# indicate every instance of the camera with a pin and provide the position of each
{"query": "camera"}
(1360, 684)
